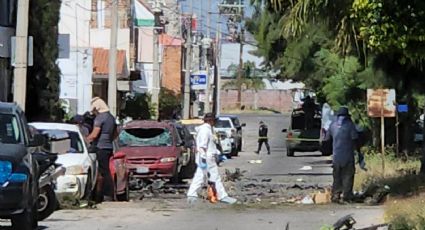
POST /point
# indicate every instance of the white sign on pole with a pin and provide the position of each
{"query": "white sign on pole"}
(30, 59)
(198, 80)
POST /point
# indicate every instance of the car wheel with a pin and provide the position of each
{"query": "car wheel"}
(176, 176)
(126, 195)
(189, 170)
(88, 189)
(234, 152)
(240, 146)
(46, 202)
(290, 152)
(27, 220)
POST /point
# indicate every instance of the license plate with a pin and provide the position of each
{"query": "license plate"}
(142, 170)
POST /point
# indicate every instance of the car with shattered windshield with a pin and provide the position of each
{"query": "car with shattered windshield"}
(153, 150)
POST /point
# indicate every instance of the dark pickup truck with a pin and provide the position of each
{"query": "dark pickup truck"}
(18, 169)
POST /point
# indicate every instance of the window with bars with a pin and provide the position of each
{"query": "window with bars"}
(101, 17)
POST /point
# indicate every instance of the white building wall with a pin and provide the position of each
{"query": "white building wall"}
(100, 38)
(76, 71)
(75, 18)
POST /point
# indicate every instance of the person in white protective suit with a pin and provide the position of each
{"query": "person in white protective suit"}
(206, 163)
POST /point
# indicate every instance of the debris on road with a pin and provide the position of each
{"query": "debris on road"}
(307, 200)
(322, 197)
(233, 176)
(348, 222)
(306, 168)
(255, 161)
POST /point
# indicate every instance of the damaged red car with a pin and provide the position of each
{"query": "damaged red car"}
(154, 150)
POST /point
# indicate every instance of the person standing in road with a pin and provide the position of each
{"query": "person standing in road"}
(104, 132)
(206, 163)
(263, 138)
(344, 137)
(309, 108)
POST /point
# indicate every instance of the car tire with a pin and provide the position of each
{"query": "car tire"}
(126, 195)
(176, 179)
(88, 193)
(290, 152)
(46, 202)
(189, 170)
(27, 220)
(234, 152)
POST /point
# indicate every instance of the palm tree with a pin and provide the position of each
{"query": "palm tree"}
(249, 80)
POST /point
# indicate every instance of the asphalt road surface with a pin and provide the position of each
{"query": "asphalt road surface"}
(172, 212)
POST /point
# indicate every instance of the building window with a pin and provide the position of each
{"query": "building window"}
(101, 13)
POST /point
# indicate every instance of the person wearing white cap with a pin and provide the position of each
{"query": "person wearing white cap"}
(206, 163)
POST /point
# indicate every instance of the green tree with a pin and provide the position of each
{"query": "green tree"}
(249, 80)
(44, 75)
(341, 48)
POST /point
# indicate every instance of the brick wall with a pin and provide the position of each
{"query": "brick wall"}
(171, 68)
(279, 100)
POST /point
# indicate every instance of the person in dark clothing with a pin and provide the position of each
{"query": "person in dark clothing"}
(262, 138)
(344, 137)
(309, 109)
(104, 132)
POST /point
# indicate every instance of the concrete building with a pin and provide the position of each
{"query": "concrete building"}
(84, 27)
(169, 47)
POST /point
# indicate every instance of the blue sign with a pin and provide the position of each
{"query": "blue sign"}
(402, 108)
(198, 81)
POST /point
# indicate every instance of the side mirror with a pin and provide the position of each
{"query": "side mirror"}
(38, 140)
(243, 124)
(284, 130)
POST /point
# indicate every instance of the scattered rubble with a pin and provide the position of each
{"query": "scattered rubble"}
(233, 176)
(255, 161)
(306, 168)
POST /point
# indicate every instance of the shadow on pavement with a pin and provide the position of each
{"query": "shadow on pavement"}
(296, 174)
(308, 155)
(4, 227)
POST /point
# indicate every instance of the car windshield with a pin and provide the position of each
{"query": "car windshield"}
(140, 137)
(223, 124)
(9, 129)
(75, 144)
(236, 122)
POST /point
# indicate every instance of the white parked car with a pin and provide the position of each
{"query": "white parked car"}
(225, 142)
(226, 125)
(81, 166)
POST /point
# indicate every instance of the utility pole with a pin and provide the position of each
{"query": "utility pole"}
(156, 69)
(112, 81)
(218, 66)
(20, 71)
(240, 69)
(207, 107)
(188, 65)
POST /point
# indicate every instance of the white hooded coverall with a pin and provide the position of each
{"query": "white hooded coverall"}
(205, 140)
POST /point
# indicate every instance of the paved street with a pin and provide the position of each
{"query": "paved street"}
(172, 212)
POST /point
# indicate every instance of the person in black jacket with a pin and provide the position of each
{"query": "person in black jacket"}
(262, 138)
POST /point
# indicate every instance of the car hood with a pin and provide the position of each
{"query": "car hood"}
(154, 152)
(71, 159)
(12, 152)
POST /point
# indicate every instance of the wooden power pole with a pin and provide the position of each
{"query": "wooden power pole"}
(188, 65)
(21, 56)
(112, 81)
